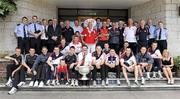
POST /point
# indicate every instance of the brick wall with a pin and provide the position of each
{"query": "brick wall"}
(165, 10)
(25, 8)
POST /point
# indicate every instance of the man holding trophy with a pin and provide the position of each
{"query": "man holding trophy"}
(84, 63)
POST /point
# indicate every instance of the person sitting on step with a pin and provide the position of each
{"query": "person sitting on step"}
(112, 64)
(128, 63)
(167, 65)
(156, 55)
(145, 61)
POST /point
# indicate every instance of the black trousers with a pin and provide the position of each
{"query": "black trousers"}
(62, 75)
(150, 41)
(73, 74)
(102, 71)
(157, 65)
(115, 47)
(41, 72)
(36, 44)
(52, 44)
(116, 70)
(101, 43)
(23, 44)
(142, 44)
(10, 68)
(162, 44)
(133, 46)
(17, 78)
(44, 43)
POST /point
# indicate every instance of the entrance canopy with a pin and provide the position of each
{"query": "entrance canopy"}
(97, 4)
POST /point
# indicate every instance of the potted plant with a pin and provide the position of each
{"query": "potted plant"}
(177, 65)
(7, 7)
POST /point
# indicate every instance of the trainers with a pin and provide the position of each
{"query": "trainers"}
(72, 82)
(160, 75)
(154, 74)
(9, 83)
(48, 82)
(36, 84)
(142, 81)
(31, 83)
(169, 82)
(137, 83)
(118, 82)
(76, 83)
(53, 83)
(148, 76)
(103, 83)
(12, 91)
(41, 84)
(128, 84)
(172, 81)
(107, 82)
(21, 84)
(94, 83)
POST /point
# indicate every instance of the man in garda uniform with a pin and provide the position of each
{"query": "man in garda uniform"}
(161, 35)
(35, 31)
(152, 29)
(22, 35)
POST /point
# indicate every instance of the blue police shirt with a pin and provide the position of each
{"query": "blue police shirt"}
(34, 27)
(20, 29)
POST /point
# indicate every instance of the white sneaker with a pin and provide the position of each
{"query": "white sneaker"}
(31, 83)
(57, 83)
(53, 83)
(21, 84)
(41, 84)
(36, 84)
(118, 82)
(76, 83)
(154, 74)
(107, 82)
(9, 82)
(137, 83)
(142, 81)
(72, 82)
(103, 83)
(172, 81)
(48, 82)
(169, 82)
(12, 91)
(148, 76)
(160, 75)
(94, 83)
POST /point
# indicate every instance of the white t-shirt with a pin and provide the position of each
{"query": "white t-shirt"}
(88, 58)
(130, 61)
(129, 34)
(77, 46)
(78, 28)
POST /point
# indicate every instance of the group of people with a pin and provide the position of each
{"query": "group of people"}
(51, 53)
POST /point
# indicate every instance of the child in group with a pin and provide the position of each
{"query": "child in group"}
(62, 71)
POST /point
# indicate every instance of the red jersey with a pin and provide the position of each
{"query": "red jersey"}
(62, 69)
(89, 36)
(103, 31)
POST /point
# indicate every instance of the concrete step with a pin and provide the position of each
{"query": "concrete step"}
(123, 87)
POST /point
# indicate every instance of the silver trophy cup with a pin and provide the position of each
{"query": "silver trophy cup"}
(84, 70)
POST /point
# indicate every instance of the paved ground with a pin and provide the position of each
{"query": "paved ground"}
(92, 95)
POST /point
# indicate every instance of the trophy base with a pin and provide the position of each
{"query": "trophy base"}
(84, 78)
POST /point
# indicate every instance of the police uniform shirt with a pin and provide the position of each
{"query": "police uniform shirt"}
(161, 34)
(34, 27)
(21, 30)
(152, 29)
